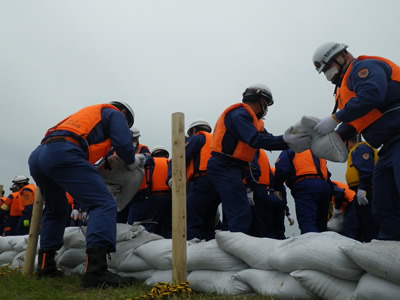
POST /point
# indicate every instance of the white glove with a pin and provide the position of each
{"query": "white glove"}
(326, 125)
(170, 183)
(296, 138)
(291, 220)
(139, 159)
(85, 217)
(336, 212)
(250, 197)
(362, 197)
(75, 214)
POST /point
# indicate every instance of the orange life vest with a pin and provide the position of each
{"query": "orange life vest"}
(15, 205)
(205, 154)
(27, 194)
(143, 184)
(82, 123)
(344, 94)
(160, 175)
(348, 195)
(265, 168)
(242, 151)
(304, 165)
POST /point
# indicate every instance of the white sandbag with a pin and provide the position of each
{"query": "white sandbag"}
(7, 257)
(128, 181)
(126, 232)
(273, 283)
(159, 276)
(219, 282)
(256, 252)
(157, 253)
(142, 275)
(329, 147)
(19, 245)
(379, 258)
(6, 242)
(72, 257)
(325, 286)
(336, 223)
(74, 237)
(208, 256)
(18, 261)
(77, 270)
(131, 263)
(371, 287)
(316, 251)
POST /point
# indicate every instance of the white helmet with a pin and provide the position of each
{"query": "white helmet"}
(135, 132)
(20, 179)
(158, 150)
(325, 53)
(130, 116)
(200, 123)
(259, 89)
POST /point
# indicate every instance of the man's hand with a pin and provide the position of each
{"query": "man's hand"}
(362, 197)
(290, 219)
(74, 214)
(296, 138)
(326, 125)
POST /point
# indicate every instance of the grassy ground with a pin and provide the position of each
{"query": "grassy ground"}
(13, 285)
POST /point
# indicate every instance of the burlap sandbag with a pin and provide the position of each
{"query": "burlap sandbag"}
(329, 147)
(121, 181)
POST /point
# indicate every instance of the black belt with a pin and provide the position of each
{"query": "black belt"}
(58, 139)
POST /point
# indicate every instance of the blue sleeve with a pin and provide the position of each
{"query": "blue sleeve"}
(283, 166)
(370, 91)
(240, 123)
(363, 160)
(193, 146)
(115, 124)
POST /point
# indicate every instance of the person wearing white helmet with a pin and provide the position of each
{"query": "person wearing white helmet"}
(239, 131)
(64, 162)
(367, 102)
(202, 200)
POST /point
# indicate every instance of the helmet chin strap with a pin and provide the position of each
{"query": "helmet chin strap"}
(337, 79)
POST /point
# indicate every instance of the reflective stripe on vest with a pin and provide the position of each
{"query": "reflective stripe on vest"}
(242, 151)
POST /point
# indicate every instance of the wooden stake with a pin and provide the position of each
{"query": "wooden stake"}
(34, 231)
(178, 199)
(1, 190)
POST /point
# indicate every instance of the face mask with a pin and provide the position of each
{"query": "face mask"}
(331, 73)
(134, 144)
(263, 112)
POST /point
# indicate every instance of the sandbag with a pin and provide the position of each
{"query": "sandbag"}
(219, 282)
(75, 237)
(273, 283)
(7, 242)
(157, 253)
(371, 287)
(208, 256)
(379, 258)
(256, 252)
(7, 257)
(127, 181)
(72, 257)
(329, 146)
(324, 285)
(159, 276)
(316, 251)
(142, 275)
(336, 223)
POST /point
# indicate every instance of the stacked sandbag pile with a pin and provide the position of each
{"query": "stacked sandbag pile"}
(325, 265)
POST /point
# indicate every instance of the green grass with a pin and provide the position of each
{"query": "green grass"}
(14, 285)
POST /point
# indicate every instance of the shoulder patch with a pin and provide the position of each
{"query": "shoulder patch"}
(363, 73)
(365, 156)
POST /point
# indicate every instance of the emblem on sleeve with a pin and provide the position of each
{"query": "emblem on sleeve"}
(363, 73)
(365, 156)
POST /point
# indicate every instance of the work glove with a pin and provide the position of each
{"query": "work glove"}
(336, 222)
(296, 138)
(326, 125)
(278, 195)
(362, 197)
(74, 214)
(139, 159)
(250, 197)
(291, 220)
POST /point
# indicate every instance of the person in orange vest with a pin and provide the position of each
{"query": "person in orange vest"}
(367, 93)
(6, 202)
(26, 198)
(359, 173)
(238, 133)
(160, 198)
(64, 162)
(13, 208)
(308, 178)
(202, 200)
(3, 200)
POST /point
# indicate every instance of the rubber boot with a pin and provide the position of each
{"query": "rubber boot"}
(97, 275)
(47, 265)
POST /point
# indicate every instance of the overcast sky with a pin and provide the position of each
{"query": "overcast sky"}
(161, 57)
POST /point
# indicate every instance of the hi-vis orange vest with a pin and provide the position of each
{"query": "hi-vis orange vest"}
(242, 151)
(348, 195)
(160, 175)
(352, 176)
(205, 154)
(344, 94)
(304, 165)
(27, 195)
(82, 123)
(15, 205)
(265, 167)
